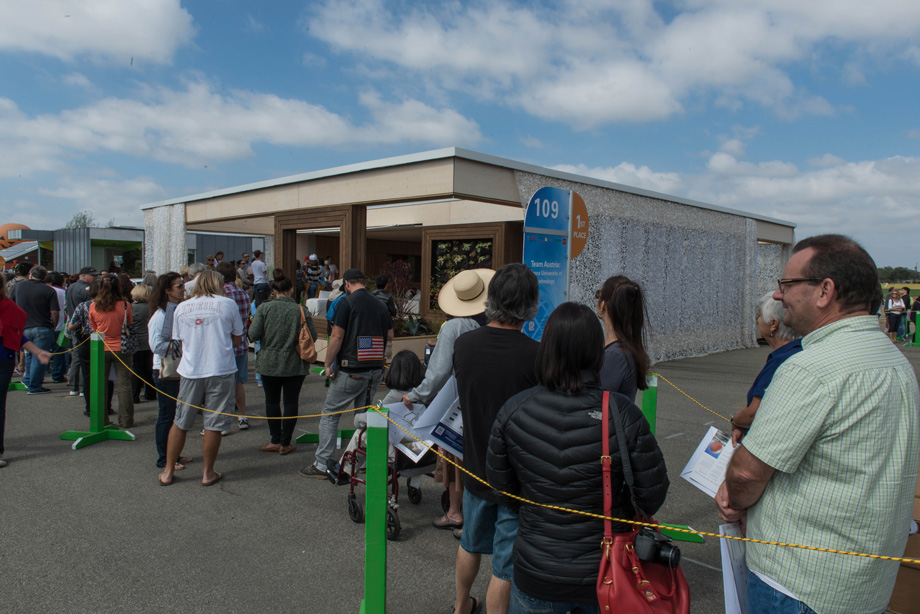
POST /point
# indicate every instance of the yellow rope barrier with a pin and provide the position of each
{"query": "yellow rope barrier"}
(546, 505)
(689, 397)
(70, 349)
(214, 411)
(637, 522)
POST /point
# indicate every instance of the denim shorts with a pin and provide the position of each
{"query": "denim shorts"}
(242, 368)
(489, 528)
(522, 603)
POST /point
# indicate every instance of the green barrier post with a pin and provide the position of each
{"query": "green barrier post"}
(916, 342)
(344, 434)
(17, 386)
(650, 401)
(375, 527)
(650, 411)
(98, 431)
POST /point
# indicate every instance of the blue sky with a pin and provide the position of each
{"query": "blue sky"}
(805, 111)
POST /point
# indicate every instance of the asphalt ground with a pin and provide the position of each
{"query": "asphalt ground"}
(90, 530)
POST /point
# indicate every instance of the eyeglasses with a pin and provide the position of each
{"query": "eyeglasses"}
(785, 282)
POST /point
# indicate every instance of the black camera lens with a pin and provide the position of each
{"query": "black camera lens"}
(669, 555)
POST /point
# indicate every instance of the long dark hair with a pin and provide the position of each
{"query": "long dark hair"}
(625, 305)
(109, 293)
(406, 371)
(158, 297)
(572, 343)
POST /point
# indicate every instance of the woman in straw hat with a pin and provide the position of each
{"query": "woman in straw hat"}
(463, 299)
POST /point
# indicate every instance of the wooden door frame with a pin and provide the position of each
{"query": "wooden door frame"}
(352, 223)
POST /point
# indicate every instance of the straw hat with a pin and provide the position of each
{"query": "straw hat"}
(336, 290)
(465, 293)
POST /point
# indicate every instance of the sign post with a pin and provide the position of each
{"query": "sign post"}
(555, 231)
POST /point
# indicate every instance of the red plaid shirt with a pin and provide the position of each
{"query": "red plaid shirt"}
(242, 301)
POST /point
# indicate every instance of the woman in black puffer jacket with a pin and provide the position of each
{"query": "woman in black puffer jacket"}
(546, 447)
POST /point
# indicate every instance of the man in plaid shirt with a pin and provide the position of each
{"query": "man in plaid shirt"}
(241, 298)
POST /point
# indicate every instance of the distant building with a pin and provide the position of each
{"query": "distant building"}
(702, 266)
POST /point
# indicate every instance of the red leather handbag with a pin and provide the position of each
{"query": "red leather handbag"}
(626, 583)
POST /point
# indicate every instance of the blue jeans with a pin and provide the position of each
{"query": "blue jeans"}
(166, 414)
(522, 603)
(347, 390)
(763, 599)
(60, 363)
(261, 293)
(902, 332)
(34, 376)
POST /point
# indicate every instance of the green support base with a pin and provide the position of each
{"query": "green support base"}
(680, 536)
(81, 439)
(98, 430)
(17, 386)
(314, 437)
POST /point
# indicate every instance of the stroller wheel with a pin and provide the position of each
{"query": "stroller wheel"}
(355, 512)
(445, 501)
(415, 495)
(393, 526)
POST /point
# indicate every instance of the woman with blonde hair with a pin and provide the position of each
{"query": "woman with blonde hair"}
(108, 313)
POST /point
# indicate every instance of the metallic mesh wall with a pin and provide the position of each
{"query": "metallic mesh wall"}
(696, 266)
(165, 246)
(771, 258)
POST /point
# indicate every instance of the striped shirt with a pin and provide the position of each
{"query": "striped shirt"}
(840, 425)
(241, 298)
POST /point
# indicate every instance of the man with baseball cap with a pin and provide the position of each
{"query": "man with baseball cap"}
(361, 333)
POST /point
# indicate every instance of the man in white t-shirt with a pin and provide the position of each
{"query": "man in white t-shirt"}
(209, 327)
(259, 279)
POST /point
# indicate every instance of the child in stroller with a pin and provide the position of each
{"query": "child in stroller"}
(405, 373)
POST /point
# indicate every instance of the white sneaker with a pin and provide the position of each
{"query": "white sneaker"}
(74, 393)
(3, 463)
(243, 424)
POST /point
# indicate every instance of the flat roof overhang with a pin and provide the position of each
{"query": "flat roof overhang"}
(439, 187)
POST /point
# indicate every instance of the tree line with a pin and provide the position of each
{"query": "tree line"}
(898, 274)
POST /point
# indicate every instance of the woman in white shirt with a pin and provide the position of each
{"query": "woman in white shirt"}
(895, 308)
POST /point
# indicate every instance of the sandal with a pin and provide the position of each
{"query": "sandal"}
(477, 606)
(178, 467)
(446, 524)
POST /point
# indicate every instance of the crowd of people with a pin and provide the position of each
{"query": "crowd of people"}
(801, 472)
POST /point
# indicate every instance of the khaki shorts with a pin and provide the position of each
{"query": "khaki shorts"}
(217, 393)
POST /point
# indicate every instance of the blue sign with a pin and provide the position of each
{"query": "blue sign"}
(547, 229)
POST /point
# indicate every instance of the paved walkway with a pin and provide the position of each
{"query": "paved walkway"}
(90, 530)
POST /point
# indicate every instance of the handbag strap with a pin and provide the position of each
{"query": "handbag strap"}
(303, 317)
(620, 432)
(605, 473)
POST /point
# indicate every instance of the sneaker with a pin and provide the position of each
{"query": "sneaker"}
(81, 394)
(74, 393)
(243, 424)
(3, 463)
(310, 471)
(202, 432)
(42, 391)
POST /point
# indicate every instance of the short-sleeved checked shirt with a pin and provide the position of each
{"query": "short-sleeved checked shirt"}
(840, 424)
(241, 298)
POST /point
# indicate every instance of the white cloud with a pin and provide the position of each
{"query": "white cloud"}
(113, 29)
(628, 174)
(198, 125)
(107, 198)
(592, 63)
(827, 161)
(77, 80)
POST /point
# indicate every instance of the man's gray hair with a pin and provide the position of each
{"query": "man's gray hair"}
(195, 268)
(770, 309)
(514, 295)
(38, 272)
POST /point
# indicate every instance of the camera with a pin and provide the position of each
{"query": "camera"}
(654, 547)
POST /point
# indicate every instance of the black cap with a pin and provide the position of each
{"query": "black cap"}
(88, 270)
(352, 275)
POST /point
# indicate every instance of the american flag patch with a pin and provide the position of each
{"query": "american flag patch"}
(370, 348)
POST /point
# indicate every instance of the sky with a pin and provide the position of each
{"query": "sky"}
(806, 111)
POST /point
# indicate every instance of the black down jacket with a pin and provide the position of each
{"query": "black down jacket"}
(546, 447)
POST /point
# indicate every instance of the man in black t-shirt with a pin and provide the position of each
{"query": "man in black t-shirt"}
(492, 364)
(362, 333)
(40, 303)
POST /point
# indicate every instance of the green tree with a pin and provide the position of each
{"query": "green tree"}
(86, 219)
